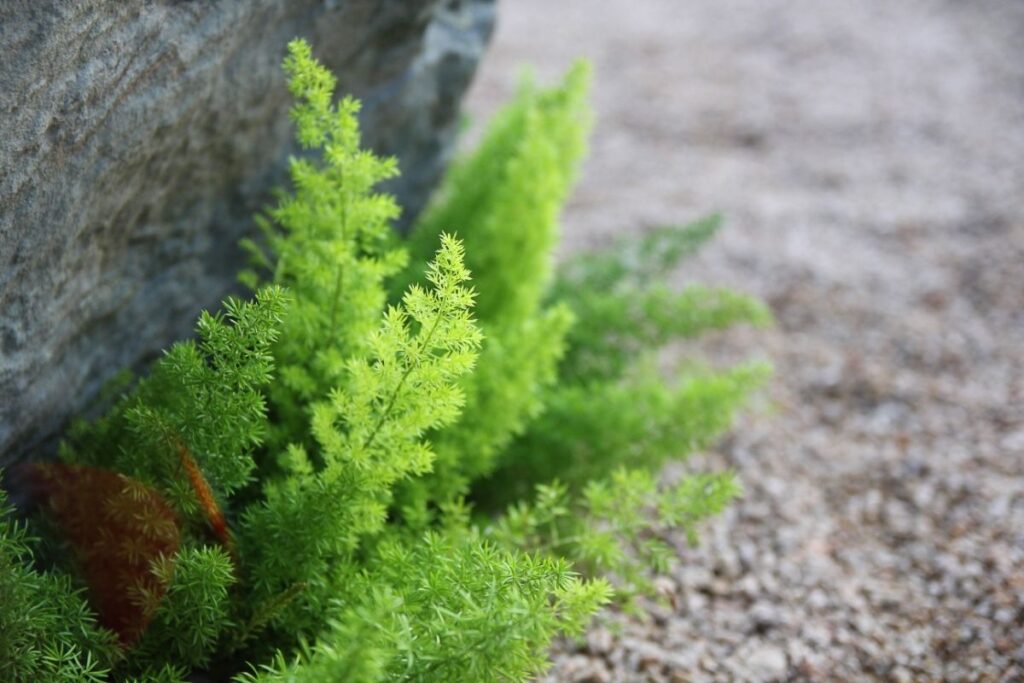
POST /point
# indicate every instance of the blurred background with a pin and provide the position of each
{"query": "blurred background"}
(868, 157)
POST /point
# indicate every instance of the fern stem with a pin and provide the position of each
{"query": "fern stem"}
(265, 613)
(341, 269)
(334, 302)
(401, 382)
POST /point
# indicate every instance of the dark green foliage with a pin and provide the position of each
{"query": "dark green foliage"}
(47, 631)
(194, 612)
(590, 428)
(205, 394)
(624, 309)
(319, 443)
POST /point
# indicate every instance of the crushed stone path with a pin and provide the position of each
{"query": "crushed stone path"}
(868, 156)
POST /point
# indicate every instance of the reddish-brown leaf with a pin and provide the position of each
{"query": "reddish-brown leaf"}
(119, 529)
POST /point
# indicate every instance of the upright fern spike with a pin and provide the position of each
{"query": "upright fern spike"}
(505, 199)
(329, 243)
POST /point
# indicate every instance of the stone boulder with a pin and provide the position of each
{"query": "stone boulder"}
(138, 138)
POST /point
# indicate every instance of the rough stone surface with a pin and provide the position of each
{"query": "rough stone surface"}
(137, 139)
(868, 156)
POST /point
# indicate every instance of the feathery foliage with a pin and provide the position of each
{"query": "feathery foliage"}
(47, 631)
(194, 612)
(284, 498)
(206, 395)
(329, 243)
(369, 436)
(506, 198)
(590, 428)
(618, 525)
(624, 309)
(609, 408)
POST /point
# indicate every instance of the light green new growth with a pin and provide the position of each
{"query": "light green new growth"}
(369, 436)
(505, 199)
(609, 408)
(446, 606)
(328, 244)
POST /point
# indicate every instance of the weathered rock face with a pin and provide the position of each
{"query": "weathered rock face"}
(137, 139)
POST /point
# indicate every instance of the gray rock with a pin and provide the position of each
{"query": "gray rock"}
(138, 139)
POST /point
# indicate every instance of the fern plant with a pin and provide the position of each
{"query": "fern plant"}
(287, 497)
(611, 408)
(505, 199)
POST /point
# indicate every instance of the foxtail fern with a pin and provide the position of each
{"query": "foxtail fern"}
(290, 495)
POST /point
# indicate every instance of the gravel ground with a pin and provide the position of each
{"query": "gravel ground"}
(869, 158)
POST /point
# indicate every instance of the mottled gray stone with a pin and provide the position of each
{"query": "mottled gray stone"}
(137, 139)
